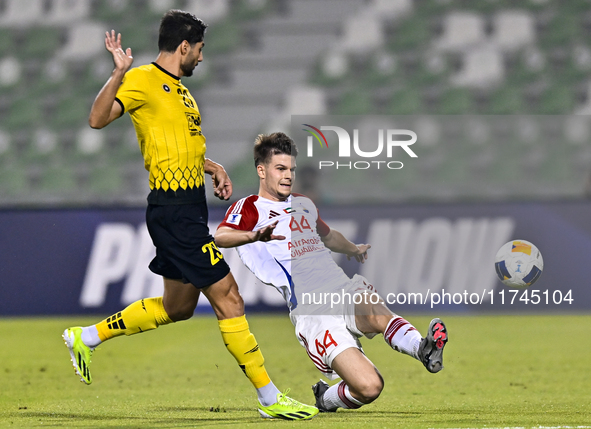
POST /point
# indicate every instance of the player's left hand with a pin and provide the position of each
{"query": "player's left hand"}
(361, 253)
(222, 185)
(122, 59)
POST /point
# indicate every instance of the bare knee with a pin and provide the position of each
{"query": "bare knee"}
(369, 390)
(362, 377)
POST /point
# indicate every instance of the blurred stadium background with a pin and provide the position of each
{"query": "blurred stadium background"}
(497, 90)
(266, 60)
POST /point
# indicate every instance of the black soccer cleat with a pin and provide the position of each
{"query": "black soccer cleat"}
(319, 389)
(431, 347)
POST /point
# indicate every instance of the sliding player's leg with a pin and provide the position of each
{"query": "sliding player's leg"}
(403, 336)
(241, 343)
(178, 303)
(361, 383)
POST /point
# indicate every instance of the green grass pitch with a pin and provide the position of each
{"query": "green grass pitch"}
(500, 371)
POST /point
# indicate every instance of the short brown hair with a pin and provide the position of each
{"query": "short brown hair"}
(267, 145)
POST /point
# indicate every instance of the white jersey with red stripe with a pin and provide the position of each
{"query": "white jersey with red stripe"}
(299, 264)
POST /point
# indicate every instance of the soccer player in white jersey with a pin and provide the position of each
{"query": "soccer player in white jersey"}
(282, 239)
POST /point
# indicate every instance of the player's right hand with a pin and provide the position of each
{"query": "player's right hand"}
(121, 59)
(266, 233)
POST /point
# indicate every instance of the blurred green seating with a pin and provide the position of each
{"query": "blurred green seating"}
(357, 101)
(574, 6)
(58, 178)
(456, 101)
(13, 175)
(563, 29)
(331, 70)
(484, 6)
(7, 42)
(558, 168)
(250, 9)
(405, 101)
(381, 70)
(506, 100)
(13, 181)
(406, 76)
(42, 42)
(106, 179)
(223, 37)
(117, 11)
(411, 34)
(141, 37)
(71, 111)
(25, 112)
(431, 69)
(556, 100)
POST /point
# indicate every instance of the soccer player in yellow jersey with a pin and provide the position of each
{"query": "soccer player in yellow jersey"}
(168, 127)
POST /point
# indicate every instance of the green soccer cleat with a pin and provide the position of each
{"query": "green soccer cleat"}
(79, 352)
(287, 408)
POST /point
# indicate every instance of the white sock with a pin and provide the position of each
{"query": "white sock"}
(267, 394)
(90, 336)
(402, 336)
(339, 396)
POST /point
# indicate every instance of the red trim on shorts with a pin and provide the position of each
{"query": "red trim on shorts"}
(322, 367)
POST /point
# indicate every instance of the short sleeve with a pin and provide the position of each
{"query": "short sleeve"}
(321, 227)
(132, 92)
(242, 215)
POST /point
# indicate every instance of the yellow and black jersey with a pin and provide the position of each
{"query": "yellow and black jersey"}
(168, 127)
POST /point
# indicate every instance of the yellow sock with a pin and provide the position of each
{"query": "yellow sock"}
(243, 346)
(140, 316)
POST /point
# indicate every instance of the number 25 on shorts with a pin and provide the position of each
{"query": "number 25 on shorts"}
(214, 252)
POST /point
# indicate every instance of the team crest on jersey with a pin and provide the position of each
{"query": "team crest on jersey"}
(165, 87)
(234, 219)
(194, 121)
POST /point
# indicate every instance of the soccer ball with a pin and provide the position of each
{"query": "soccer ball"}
(519, 264)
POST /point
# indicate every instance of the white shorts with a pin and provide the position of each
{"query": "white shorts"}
(326, 336)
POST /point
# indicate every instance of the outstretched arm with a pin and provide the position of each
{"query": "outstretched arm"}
(230, 237)
(105, 109)
(337, 242)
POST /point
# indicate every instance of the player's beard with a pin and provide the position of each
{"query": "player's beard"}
(189, 65)
(187, 68)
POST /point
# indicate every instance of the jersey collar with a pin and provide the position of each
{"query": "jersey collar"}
(166, 71)
(288, 200)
